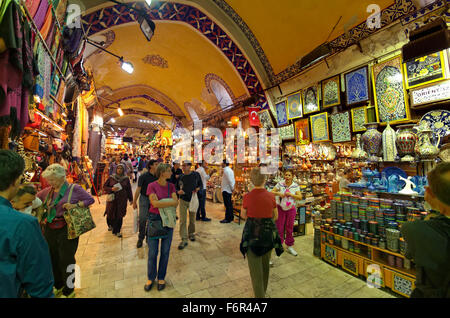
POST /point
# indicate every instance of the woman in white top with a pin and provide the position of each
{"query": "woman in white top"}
(287, 192)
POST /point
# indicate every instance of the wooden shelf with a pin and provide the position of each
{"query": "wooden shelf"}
(365, 244)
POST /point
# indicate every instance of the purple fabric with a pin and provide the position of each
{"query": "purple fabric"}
(10, 79)
(39, 18)
(78, 194)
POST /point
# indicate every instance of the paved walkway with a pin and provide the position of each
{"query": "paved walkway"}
(210, 267)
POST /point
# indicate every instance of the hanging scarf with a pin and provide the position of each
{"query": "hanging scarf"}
(52, 207)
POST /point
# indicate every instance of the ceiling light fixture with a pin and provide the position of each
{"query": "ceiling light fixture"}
(127, 66)
(146, 24)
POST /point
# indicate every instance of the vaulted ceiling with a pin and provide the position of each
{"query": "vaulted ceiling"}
(242, 44)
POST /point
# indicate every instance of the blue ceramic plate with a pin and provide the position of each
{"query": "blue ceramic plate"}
(389, 171)
(439, 122)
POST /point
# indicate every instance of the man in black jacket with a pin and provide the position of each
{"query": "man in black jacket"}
(144, 201)
(189, 183)
(429, 241)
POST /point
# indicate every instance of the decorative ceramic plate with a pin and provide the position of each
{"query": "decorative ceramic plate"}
(438, 121)
(389, 171)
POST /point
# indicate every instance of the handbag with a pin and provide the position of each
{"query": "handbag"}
(110, 197)
(155, 228)
(31, 141)
(79, 220)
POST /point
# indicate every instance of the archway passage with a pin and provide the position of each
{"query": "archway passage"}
(116, 15)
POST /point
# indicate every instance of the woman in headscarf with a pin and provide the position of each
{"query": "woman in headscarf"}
(118, 189)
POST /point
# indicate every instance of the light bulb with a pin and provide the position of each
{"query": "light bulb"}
(113, 120)
(127, 67)
(120, 111)
(149, 2)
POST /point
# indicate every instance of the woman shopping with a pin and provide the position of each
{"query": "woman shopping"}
(118, 189)
(62, 250)
(287, 193)
(260, 234)
(162, 196)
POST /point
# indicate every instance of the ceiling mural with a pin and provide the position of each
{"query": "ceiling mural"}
(156, 60)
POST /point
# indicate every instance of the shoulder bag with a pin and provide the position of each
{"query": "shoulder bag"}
(155, 229)
(79, 220)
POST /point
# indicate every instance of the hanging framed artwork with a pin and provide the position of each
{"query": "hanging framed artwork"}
(295, 106)
(331, 92)
(391, 100)
(425, 70)
(266, 119)
(319, 127)
(301, 129)
(357, 86)
(287, 132)
(359, 118)
(340, 127)
(311, 100)
(281, 114)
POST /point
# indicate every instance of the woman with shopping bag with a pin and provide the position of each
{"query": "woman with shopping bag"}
(58, 199)
(161, 222)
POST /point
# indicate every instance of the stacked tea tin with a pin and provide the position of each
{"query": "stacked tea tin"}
(347, 211)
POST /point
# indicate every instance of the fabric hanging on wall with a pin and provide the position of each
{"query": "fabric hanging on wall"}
(16, 69)
(85, 139)
(46, 28)
(47, 75)
(60, 10)
(41, 13)
(94, 149)
(76, 145)
(32, 6)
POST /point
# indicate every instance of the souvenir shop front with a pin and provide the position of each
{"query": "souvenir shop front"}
(380, 126)
(48, 109)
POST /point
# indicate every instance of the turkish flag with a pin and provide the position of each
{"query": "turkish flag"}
(253, 116)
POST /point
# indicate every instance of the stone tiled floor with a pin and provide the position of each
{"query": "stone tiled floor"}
(210, 267)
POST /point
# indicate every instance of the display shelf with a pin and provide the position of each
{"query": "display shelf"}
(411, 272)
(365, 244)
(50, 120)
(399, 195)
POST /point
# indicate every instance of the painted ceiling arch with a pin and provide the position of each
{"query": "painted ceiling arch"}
(108, 17)
(163, 75)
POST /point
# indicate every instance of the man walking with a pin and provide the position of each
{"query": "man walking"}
(228, 183)
(25, 263)
(176, 174)
(201, 212)
(429, 241)
(142, 165)
(190, 183)
(144, 201)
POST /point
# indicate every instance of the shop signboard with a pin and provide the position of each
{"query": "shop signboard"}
(430, 94)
